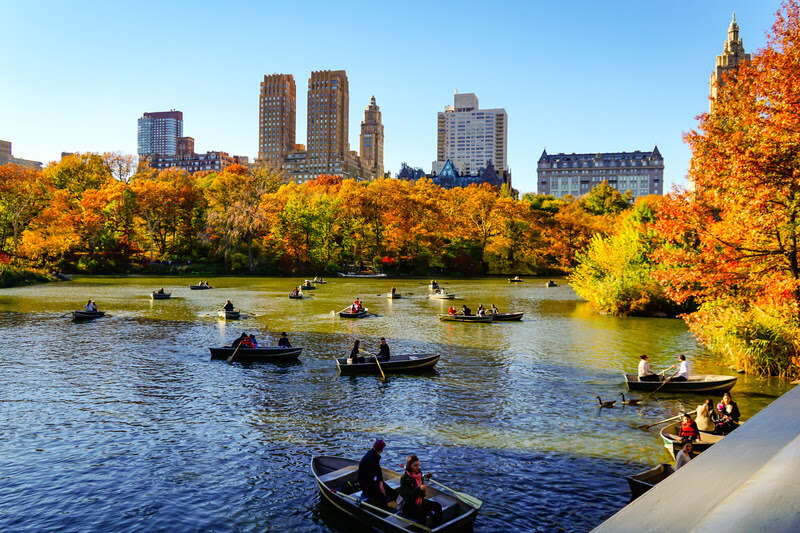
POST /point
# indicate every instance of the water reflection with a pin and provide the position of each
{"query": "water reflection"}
(125, 424)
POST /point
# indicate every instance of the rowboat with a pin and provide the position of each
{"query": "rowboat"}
(337, 479)
(345, 313)
(308, 287)
(696, 383)
(160, 295)
(199, 287)
(393, 295)
(442, 295)
(229, 315)
(267, 354)
(644, 481)
(84, 316)
(469, 318)
(298, 296)
(361, 274)
(507, 317)
(515, 280)
(672, 442)
(551, 284)
(396, 363)
(318, 281)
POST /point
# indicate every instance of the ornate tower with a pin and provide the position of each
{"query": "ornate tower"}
(732, 55)
(372, 141)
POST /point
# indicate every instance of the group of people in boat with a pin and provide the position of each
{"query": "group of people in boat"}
(681, 373)
(356, 306)
(249, 341)
(719, 420)
(356, 357)
(466, 311)
(410, 498)
(91, 307)
(160, 291)
(203, 284)
(297, 291)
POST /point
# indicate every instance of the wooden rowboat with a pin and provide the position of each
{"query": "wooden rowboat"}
(696, 383)
(470, 318)
(672, 442)
(229, 315)
(345, 313)
(644, 481)
(267, 354)
(396, 363)
(361, 274)
(507, 317)
(551, 284)
(337, 478)
(307, 288)
(441, 295)
(160, 295)
(296, 296)
(393, 296)
(84, 316)
(199, 287)
(515, 280)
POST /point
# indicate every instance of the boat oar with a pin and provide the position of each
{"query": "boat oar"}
(383, 376)
(472, 501)
(230, 359)
(374, 508)
(666, 380)
(659, 422)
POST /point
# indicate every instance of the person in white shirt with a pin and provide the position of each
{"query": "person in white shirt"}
(684, 456)
(683, 369)
(645, 373)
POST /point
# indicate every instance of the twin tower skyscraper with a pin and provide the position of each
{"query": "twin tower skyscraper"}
(327, 149)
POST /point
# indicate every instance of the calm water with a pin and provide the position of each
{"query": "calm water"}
(124, 424)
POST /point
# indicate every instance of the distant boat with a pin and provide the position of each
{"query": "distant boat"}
(267, 354)
(393, 295)
(160, 295)
(506, 317)
(441, 295)
(84, 316)
(646, 480)
(298, 296)
(346, 313)
(515, 280)
(695, 383)
(468, 318)
(551, 283)
(361, 274)
(200, 287)
(229, 315)
(396, 363)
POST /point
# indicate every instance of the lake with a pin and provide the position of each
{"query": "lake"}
(125, 424)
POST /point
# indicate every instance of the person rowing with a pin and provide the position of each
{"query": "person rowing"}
(283, 342)
(383, 350)
(355, 356)
(90, 307)
(228, 306)
(412, 492)
(682, 372)
(452, 311)
(466, 311)
(239, 340)
(495, 310)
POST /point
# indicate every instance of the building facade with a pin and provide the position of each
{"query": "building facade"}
(471, 137)
(192, 162)
(449, 177)
(732, 55)
(159, 133)
(7, 157)
(327, 121)
(277, 119)
(372, 141)
(642, 173)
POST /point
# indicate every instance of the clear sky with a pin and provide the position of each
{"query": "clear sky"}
(582, 76)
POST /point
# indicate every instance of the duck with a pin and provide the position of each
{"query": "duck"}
(630, 401)
(605, 404)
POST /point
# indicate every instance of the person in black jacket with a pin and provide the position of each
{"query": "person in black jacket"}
(370, 477)
(412, 490)
(283, 342)
(383, 351)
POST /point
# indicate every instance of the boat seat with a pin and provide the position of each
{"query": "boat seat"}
(336, 474)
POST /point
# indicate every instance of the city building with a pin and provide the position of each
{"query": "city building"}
(192, 162)
(159, 133)
(470, 137)
(449, 177)
(7, 157)
(642, 173)
(277, 110)
(328, 121)
(372, 141)
(732, 55)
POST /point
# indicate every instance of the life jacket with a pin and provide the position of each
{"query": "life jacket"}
(689, 431)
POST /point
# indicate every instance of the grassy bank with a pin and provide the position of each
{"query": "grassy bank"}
(11, 276)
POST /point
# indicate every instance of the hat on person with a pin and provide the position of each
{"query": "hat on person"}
(283, 334)
(379, 445)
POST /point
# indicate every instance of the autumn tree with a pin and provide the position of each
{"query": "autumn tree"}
(22, 195)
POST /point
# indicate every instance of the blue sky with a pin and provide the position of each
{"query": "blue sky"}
(573, 76)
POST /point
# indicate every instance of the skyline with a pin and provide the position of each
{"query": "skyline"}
(602, 82)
